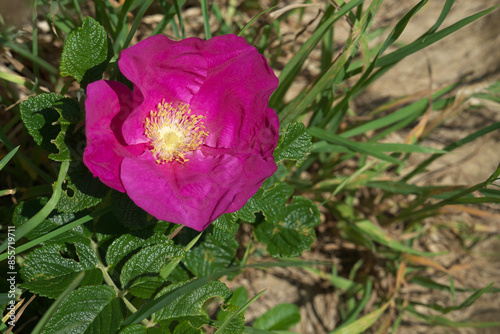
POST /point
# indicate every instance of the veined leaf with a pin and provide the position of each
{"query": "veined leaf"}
(140, 274)
(291, 229)
(90, 309)
(48, 118)
(294, 143)
(53, 287)
(191, 302)
(86, 52)
(47, 262)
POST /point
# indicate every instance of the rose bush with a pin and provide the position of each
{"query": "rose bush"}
(195, 137)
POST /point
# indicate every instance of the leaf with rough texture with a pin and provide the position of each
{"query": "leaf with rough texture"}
(247, 212)
(86, 52)
(281, 317)
(273, 200)
(210, 256)
(53, 287)
(140, 273)
(224, 228)
(128, 213)
(163, 327)
(48, 118)
(48, 261)
(190, 304)
(90, 309)
(291, 229)
(294, 143)
(80, 191)
(128, 243)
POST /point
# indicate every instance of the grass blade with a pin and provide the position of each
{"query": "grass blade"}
(351, 145)
(45, 211)
(293, 67)
(240, 310)
(7, 157)
(206, 19)
(55, 305)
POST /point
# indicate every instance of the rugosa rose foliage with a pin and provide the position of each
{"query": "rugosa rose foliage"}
(195, 137)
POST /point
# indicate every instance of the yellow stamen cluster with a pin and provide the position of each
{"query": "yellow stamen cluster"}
(173, 132)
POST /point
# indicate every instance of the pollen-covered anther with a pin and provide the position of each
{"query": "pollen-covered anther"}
(174, 132)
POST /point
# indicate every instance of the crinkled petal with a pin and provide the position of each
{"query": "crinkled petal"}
(197, 192)
(107, 105)
(161, 69)
(235, 94)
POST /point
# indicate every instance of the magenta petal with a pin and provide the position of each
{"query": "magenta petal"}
(235, 93)
(196, 193)
(107, 104)
(161, 69)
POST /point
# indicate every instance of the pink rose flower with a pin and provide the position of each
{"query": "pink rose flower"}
(195, 137)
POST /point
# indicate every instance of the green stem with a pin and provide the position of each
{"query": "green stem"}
(109, 281)
(46, 210)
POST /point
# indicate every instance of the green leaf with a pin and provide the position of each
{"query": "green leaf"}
(190, 303)
(129, 214)
(247, 212)
(234, 323)
(294, 143)
(210, 256)
(134, 329)
(86, 52)
(273, 200)
(56, 304)
(127, 243)
(48, 261)
(48, 118)
(80, 191)
(53, 287)
(224, 228)
(163, 327)
(290, 231)
(90, 309)
(140, 274)
(281, 317)
(25, 210)
(239, 298)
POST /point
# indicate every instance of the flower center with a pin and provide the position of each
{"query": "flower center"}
(173, 132)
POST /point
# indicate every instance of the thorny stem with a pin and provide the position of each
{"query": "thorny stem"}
(109, 281)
